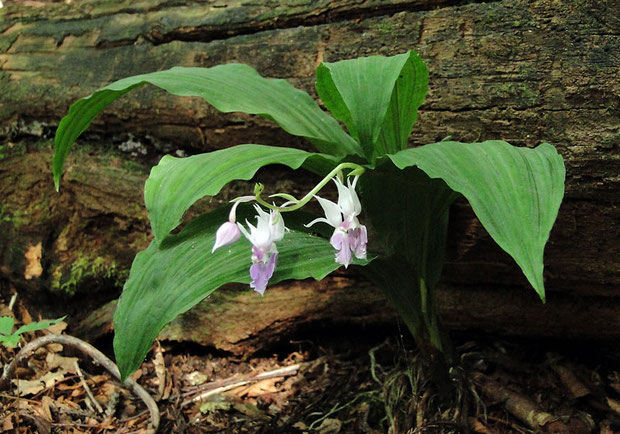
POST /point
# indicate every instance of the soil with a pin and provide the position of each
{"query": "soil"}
(328, 383)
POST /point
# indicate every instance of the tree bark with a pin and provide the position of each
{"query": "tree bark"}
(517, 70)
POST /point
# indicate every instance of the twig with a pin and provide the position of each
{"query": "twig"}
(88, 349)
(520, 406)
(86, 388)
(221, 386)
(12, 301)
(507, 423)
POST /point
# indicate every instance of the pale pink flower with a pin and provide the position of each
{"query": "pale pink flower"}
(349, 235)
(268, 231)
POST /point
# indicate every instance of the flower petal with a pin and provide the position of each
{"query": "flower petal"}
(346, 203)
(357, 206)
(318, 220)
(359, 239)
(277, 226)
(333, 213)
(245, 232)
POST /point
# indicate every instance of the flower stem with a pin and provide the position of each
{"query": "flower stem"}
(258, 189)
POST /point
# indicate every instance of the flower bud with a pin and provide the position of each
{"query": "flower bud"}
(226, 235)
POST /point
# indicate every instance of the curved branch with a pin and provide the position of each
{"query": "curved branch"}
(88, 349)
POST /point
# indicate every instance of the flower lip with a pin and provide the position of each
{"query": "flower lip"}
(261, 272)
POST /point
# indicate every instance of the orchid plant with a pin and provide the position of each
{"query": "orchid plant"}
(401, 194)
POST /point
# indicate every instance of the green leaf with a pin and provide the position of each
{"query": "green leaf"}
(6, 325)
(38, 325)
(10, 340)
(176, 183)
(167, 281)
(408, 95)
(408, 212)
(229, 88)
(515, 192)
(376, 97)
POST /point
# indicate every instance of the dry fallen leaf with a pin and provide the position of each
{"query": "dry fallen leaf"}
(257, 389)
(195, 378)
(31, 387)
(43, 409)
(54, 347)
(7, 424)
(57, 328)
(614, 405)
(330, 426)
(33, 262)
(160, 372)
(478, 427)
(55, 360)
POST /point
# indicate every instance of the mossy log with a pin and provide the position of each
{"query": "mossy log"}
(523, 71)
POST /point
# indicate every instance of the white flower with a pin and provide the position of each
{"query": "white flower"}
(349, 235)
(268, 231)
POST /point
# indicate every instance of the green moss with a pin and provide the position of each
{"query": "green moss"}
(15, 218)
(85, 269)
(6, 41)
(386, 28)
(135, 167)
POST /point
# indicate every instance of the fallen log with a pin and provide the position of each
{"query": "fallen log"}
(522, 71)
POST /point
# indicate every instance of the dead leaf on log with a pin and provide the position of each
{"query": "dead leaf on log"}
(33, 261)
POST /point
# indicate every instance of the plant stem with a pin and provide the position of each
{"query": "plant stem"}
(357, 170)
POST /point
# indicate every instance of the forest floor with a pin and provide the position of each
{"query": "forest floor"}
(327, 384)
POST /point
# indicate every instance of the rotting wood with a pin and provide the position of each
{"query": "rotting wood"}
(522, 71)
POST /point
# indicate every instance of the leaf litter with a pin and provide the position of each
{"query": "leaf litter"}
(327, 386)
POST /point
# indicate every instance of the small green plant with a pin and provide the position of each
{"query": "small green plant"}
(9, 339)
(393, 199)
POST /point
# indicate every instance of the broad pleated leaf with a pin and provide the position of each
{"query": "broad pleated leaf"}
(229, 88)
(376, 97)
(408, 95)
(167, 281)
(176, 183)
(515, 192)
